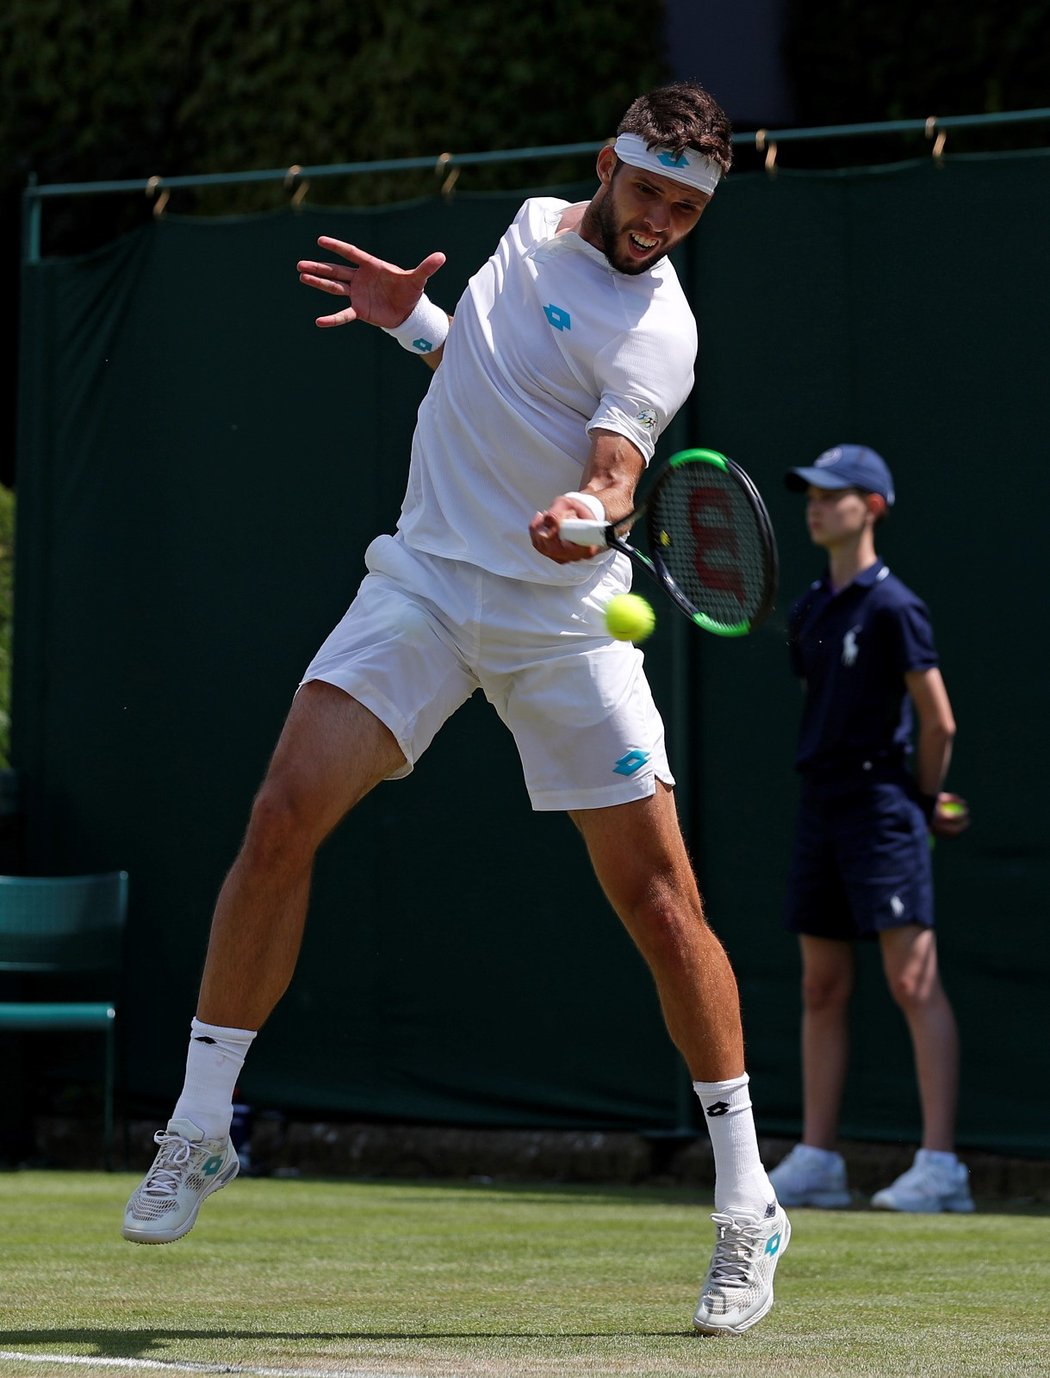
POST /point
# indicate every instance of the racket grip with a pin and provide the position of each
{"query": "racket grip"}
(580, 531)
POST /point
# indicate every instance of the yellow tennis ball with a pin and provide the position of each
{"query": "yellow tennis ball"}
(629, 617)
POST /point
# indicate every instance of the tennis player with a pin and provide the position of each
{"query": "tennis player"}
(863, 645)
(570, 351)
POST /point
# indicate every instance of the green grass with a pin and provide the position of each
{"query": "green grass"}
(456, 1281)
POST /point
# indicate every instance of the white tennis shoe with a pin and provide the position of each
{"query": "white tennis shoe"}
(929, 1185)
(738, 1289)
(188, 1167)
(811, 1177)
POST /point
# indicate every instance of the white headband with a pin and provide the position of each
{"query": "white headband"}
(689, 166)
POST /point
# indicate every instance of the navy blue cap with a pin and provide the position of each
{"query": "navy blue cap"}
(845, 466)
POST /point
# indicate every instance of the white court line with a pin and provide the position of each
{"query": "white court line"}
(174, 1366)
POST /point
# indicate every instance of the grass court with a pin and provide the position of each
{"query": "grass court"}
(320, 1279)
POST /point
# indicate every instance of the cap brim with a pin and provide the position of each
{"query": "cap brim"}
(798, 480)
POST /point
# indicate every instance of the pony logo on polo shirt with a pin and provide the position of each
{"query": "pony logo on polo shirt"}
(559, 318)
(850, 649)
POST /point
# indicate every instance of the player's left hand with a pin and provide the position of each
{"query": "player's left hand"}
(378, 292)
(951, 815)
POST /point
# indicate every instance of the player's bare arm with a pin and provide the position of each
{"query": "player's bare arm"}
(375, 291)
(611, 474)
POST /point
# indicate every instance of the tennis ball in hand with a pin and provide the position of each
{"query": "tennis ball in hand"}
(629, 617)
(952, 808)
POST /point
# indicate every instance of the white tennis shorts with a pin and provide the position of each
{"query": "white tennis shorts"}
(424, 633)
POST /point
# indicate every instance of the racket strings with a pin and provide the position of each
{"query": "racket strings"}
(706, 533)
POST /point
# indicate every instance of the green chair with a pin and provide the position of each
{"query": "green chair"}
(61, 926)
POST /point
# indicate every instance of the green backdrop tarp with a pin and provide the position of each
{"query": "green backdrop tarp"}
(199, 473)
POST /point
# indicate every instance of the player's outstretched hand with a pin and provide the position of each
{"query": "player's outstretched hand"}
(378, 292)
(951, 815)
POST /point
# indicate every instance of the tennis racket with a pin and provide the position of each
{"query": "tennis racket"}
(710, 540)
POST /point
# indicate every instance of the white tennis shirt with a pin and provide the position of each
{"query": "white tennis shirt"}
(548, 342)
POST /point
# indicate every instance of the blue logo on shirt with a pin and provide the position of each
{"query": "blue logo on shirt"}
(561, 320)
(634, 760)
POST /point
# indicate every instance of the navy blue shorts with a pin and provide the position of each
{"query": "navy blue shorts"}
(861, 863)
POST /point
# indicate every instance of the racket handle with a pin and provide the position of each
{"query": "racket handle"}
(580, 531)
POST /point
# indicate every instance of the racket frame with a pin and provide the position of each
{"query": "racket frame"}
(612, 536)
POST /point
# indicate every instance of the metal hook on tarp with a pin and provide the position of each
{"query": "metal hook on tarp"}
(297, 184)
(162, 200)
(939, 137)
(769, 147)
(443, 168)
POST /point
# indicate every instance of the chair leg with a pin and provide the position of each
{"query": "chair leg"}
(111, 1067)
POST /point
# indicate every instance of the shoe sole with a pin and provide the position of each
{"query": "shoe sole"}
(143, 1236)
(709, 1329)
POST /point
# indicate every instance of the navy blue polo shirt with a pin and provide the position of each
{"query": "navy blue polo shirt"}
(853, 649)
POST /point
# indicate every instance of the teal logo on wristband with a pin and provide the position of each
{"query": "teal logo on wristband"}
(424, 346)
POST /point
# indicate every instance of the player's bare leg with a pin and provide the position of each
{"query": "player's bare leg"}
(641, 861)
(331, 752)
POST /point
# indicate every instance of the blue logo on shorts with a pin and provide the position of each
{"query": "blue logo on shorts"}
(634, 760)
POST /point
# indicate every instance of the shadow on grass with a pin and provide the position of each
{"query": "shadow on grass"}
(138, 1344)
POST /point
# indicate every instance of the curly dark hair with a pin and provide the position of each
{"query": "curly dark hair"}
(682, 115)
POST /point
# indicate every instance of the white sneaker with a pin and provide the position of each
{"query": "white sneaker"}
(929, 1185)
(188, 1167)
(811, 1177)
(738, 1289)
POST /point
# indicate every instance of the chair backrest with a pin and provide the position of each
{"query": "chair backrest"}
(62, 923)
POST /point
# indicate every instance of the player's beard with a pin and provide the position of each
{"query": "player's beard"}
(610, 232)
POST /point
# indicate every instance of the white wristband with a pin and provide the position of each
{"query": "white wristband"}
(592, 504)
(424, 330)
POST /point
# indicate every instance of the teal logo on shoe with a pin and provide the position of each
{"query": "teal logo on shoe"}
(213, 1164)
(773, 1244)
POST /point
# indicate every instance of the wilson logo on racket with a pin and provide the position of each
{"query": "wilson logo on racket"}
(716, 555)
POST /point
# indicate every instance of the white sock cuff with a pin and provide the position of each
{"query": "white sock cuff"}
(721, 1088)
(231, 1040)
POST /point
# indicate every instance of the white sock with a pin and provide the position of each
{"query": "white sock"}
(741, 1183)
(213, 1064)
(937, 1157)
